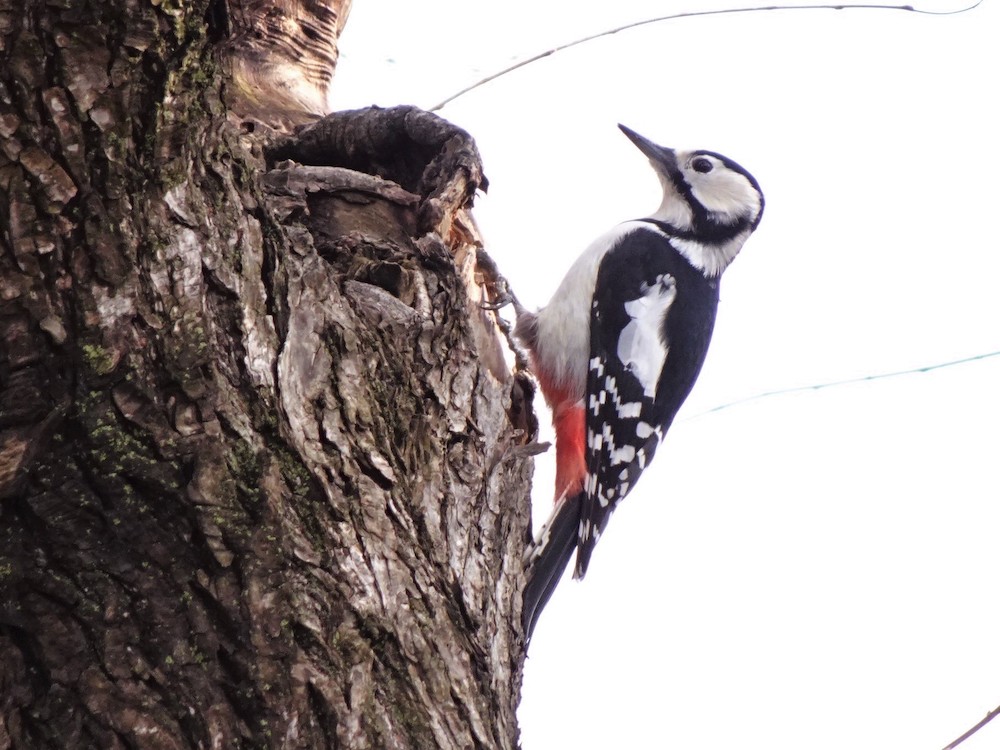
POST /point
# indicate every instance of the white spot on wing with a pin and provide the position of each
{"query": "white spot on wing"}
(629, 410)
(640, 346)
(622, 455)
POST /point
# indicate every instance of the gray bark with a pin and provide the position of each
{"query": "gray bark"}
(264, 473)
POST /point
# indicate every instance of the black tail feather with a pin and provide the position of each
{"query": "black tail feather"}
(548, 558)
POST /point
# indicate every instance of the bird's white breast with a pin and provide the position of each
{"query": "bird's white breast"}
(564, 324)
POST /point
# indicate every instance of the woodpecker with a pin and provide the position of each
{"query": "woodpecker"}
(618, 348)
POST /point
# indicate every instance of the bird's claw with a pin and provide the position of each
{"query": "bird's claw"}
(493, 282)
(498, 302)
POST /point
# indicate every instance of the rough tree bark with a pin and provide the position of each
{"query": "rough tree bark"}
(263, 469)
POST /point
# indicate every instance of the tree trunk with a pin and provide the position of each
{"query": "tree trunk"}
(264, 472)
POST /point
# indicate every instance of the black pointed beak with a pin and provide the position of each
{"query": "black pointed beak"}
(660, 155)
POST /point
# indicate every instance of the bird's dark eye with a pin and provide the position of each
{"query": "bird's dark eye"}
(701, 164)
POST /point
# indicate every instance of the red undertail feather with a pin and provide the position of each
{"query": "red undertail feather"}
(569, 421)
(571, 464)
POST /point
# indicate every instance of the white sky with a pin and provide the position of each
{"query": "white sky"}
(816, 570)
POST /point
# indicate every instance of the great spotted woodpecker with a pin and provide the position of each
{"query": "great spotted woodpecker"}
(618, 348)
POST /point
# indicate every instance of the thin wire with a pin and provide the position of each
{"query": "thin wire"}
(691, 14)
(989, 717)
(849, 381)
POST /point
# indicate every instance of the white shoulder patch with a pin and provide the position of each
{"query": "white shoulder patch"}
(641, 348)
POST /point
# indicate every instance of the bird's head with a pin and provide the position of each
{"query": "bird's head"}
(704, 193)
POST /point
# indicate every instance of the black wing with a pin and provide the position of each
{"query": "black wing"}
(651, 322)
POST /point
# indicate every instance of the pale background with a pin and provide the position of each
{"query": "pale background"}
(814, 570)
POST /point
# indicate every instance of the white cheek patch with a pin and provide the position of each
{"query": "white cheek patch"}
(727, 194)
(640, 346)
